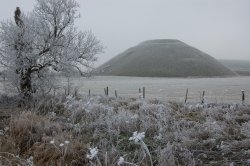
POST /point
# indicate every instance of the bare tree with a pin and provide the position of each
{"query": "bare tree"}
(45, 41)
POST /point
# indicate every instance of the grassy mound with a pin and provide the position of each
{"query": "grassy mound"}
(164, 58)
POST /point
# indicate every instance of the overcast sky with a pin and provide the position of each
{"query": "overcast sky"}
(220, 28)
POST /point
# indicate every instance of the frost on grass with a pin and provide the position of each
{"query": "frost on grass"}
(92, 153)
(120, 161)
(137, 137)
(143, 132)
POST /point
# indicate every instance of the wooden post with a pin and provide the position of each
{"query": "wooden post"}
(186, 95)
(75, 92)
(243, 96)
(140, 96)
(143, 92)
(116, 93)
(202, 97)
(54, 91)
(68, 85)
(89, 92)
(107, 91)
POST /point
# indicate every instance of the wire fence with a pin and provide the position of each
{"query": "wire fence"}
(216, 90)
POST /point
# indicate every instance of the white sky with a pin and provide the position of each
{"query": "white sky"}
(220, 28)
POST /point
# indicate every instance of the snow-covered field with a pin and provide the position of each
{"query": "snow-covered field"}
(216, 89)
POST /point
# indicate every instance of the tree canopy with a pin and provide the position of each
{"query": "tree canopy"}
(45, 41)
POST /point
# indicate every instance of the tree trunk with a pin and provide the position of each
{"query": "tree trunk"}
(25, 83)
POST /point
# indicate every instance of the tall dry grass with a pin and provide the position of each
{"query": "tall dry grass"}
(98, 130)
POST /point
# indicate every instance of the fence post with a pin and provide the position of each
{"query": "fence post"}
(143, 92)
(243, 96)
(116, 93)
(89, 92)
(186, 95)
(54, 91)
(68, 81)
(202, 97)
(107, 90)
(75, 93)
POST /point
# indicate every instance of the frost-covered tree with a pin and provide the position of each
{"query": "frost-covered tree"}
(45, 41)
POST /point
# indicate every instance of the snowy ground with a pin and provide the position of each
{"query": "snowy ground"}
(217, 90)
(165, 89)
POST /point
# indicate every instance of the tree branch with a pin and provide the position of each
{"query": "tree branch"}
(44, 51)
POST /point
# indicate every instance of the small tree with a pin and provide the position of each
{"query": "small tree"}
(37, 44)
